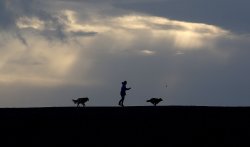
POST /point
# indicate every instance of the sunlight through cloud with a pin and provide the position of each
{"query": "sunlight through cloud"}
(147, 52)
(111, 34)
(26, 22)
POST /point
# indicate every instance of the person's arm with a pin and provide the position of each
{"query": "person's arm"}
(128, 88)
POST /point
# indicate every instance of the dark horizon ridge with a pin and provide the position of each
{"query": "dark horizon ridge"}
(143, 125)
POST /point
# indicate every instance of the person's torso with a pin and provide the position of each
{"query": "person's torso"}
(123, 90)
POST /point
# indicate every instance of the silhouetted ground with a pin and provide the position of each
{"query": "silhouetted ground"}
(162, 125)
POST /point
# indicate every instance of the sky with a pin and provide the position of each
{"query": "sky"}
(54, 51)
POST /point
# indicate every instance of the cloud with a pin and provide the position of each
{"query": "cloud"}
(182, 35)
(34, 23)
(147, 52)
(229, 14)
(17, 15)
(62, 25)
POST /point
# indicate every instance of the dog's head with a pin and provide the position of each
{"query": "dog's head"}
(75, 101)
(160, 99)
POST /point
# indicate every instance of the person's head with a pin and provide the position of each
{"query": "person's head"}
(124, 83)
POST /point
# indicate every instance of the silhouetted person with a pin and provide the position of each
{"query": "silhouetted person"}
(155, 101)
(123, 92)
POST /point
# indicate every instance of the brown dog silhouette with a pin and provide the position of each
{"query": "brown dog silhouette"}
(82, 101)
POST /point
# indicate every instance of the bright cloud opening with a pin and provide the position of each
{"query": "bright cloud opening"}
(26, 22)
(147, 52)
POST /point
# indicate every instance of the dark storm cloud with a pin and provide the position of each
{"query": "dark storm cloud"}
(21, 38)
(12, 11)
(6, 17)
(229, 14)
(60, 35)
(81, 33)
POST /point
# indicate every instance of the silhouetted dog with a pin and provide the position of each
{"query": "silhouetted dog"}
(81, 101)
(155, 101)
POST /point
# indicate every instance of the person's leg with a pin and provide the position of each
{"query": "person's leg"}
(122, 100)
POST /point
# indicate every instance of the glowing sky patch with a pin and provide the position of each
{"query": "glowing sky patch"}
(148, 52)
(25, 22)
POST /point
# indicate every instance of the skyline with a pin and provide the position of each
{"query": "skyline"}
(55, 51)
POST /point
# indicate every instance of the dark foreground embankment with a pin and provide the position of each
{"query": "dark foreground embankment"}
(205, 126)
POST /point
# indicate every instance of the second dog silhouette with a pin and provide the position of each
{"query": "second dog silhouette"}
(155, 101)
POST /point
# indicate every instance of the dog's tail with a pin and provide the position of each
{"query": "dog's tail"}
(148, 100)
